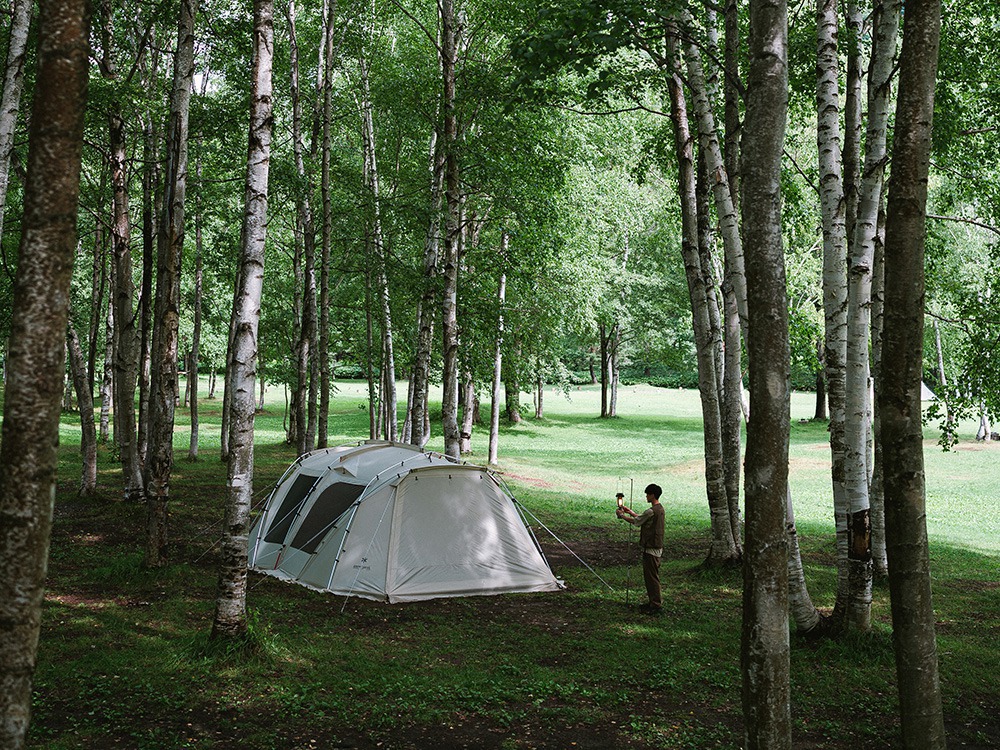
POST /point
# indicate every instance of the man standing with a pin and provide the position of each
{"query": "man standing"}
(650, 523)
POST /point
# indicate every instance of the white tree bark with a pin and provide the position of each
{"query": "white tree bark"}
(326, 189)
(494, 445)
(426, 309)
(13, 86)
(857, 395)
(389, 397)
(453, 232)
(833, 207)
(708, 135)
(853, 118)
(230, 619)
(723, 547)
(800, 605)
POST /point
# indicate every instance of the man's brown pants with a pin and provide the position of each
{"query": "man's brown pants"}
(651, 575)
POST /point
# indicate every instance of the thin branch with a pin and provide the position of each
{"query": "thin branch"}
(431, 37)
(979, 131)
(798, 169)
(963, 220)
(567, 108)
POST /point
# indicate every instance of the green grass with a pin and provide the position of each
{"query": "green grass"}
(125, 660)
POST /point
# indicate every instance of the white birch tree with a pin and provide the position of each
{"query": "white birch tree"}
(857, 415)
(13, 86)
(230, 620)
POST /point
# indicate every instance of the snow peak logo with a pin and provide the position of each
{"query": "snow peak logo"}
(364, 565)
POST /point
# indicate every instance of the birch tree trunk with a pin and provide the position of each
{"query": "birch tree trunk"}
(943, 382)
(833, 207)
(389, 398)
(857, 415)
(453, 232)
(853, 120)
(512, 396)
(879, 556)
(326, 189)
(494, 446)
(150, 215)
(468, 411)
(605, 374)
(426, 308)
(88, 432)
(13, 86)
(731, 93)
(708, 136)
(126, 341)
(230, 620)
(170, 243)
(800, 605)
(539, 389)
(765, 640)
(614, 341)
(723, 548)
(724, 171)
(98, 286)
(227, 382)
(704, 199)
(108, 379)
(913, 627)
(307, 332)
(36, 350)
(192, 377)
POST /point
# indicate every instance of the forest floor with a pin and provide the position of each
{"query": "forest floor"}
(125, 660)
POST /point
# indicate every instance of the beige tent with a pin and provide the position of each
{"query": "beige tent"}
(390, 522)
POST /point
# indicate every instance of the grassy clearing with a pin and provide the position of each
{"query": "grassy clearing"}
(125, 661)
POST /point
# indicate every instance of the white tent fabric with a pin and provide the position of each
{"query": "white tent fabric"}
(393, 523)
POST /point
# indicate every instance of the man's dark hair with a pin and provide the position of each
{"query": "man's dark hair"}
(654, 490)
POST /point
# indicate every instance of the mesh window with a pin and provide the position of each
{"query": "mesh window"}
(289, 507)
(329, 506)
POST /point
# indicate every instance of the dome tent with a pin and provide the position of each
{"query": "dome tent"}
(391, 522)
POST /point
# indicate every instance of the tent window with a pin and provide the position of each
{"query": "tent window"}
(294, 498)
(329, 506)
